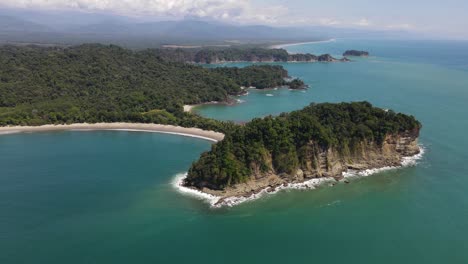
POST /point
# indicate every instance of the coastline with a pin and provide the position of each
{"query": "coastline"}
(216, 201)
(281, 46)
(190, 108)
(132, 127)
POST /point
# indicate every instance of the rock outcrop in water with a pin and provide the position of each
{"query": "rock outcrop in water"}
(356, 53)
(321, 141)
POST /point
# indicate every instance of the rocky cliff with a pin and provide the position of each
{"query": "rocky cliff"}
(319, 141)
(326, 163)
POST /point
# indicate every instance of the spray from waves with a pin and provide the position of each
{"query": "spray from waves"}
(218, 202)
(307, 185)
(178, 184)
(405, 162)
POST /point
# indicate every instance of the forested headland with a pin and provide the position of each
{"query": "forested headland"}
(321, 139)
(96, 83)
(99, 83)
(246, 54)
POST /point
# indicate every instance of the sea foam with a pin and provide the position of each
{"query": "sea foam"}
(405, 162)
(218, 202)
(178, 184)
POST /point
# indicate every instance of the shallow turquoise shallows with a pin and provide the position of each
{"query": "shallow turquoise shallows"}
(107, 197)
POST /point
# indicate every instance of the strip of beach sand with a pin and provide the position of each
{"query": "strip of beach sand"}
(281, 46)
(137, 127)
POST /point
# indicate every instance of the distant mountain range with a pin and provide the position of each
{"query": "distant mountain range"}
(69, 28)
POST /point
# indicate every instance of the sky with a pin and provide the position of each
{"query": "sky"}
(445, 17)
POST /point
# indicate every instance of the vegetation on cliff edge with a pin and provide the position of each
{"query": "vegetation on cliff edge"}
(280, 143)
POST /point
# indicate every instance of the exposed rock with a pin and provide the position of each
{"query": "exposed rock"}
(330, 163)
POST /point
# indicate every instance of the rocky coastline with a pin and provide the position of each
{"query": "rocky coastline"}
(324, 165)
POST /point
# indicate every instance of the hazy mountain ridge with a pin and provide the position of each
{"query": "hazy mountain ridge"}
(71, 28)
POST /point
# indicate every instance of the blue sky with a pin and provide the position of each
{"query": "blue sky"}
(448, 17)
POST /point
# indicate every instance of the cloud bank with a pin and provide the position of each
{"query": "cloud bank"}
(228, 10)
(235, 11)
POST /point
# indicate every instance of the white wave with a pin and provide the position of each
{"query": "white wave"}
(178, 184)
(240, 101)
(413, 160)
(216, 202)
(9, 132)
(269, 95)
(405, 162)
(307, 185)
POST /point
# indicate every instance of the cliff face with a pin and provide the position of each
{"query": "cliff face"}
(319, 163)
(366, 155)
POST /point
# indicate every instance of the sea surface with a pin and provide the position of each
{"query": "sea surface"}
(108, 197)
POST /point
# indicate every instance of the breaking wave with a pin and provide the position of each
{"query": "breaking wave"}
(218, 202)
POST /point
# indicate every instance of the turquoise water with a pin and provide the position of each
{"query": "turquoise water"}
(107, 197)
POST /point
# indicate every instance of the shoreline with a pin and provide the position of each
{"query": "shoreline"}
(309, 184)
(281, 46)
(191, 108)
(131, 127)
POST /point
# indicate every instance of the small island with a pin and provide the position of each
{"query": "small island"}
(321, 141)
(356, 53)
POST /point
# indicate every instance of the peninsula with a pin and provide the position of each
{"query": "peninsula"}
(225, 55)
(320, 141)
(97, 83)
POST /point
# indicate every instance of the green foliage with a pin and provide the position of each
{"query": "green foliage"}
(297, 84)
(97, 83)
(260, 77)
(216, 55)
(287, 139)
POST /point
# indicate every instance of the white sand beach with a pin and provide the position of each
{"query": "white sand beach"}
(281, 46)
(188, 108)
(137, 127)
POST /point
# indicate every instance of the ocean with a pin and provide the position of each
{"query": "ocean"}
(109, 196)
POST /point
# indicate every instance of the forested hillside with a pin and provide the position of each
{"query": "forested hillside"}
(94, 83)
(217, 55)
(286, 143)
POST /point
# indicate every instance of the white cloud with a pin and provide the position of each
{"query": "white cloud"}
(230, 10)
(238, 11)
(329, 22)
(364, 22)
(400, 26)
